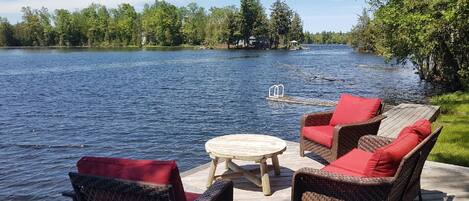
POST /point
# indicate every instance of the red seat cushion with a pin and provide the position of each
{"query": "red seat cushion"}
(191, 196)
(157, 172)
(320, 134)
(385, 160)
(353, 163)
(353, 109)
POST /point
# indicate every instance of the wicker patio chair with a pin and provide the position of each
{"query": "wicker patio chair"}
(119, 179)
(95, 188)
(344, 136)
(313, 184)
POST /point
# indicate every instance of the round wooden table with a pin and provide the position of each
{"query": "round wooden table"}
(245, 147)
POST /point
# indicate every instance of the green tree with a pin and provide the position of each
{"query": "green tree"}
(63, 26)
(103, 18)
(280, 17)
(90, 29)
(80, 29)
(249, 14)
(96, 21)
(193, 23)
(307, 38)
(326, 37)
(233, 34)
(32, 33)
(125, 24)
(431, 34)
(221, 26)
(261, 30)
(296, 32)
(49, 33)
(161, 24)
(362, 35)
(6, 33)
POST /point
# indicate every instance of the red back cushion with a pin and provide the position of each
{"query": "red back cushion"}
(385, 161)
(353, 109)
(422, 128)
(157, 172)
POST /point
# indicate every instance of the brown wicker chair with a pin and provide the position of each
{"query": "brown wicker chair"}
(345, 137)
(313, 184)
(95, 188)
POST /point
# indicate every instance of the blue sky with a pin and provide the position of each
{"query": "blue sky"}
(317, 15)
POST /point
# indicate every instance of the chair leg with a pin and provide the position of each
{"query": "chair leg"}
(302, 151)
(420, 195)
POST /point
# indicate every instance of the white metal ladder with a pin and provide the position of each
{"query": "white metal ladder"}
(276, 91)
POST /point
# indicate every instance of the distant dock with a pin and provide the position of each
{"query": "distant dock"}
(303, 101)
(277, 94)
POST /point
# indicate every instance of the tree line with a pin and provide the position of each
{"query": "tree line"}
(159, 24)
(433, 35)
(327, 37)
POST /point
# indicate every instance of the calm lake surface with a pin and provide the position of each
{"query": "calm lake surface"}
(59, 105)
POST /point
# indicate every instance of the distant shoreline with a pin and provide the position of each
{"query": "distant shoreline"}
(195, 47)
(97, 47)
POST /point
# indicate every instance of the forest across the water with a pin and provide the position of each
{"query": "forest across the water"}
(159, 24)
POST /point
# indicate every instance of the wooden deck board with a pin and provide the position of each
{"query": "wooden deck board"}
(393, 116)
(403, 115)
(396, 122)
(439, 181)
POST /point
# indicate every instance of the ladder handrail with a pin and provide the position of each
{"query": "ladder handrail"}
(276, 91)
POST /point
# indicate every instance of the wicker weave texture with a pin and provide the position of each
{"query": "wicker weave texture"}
(316, 148)
(95, 188)
(370, 143)
(221, 190)
(329, 186)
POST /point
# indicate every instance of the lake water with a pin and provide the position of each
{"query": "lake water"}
(59, 105)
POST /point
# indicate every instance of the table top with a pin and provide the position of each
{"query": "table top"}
(249, 147)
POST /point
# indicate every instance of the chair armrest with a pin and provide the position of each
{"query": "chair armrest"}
(221, 190)
(70, 194)
(319, 184)
(370, 143)
(381, 108)
(316, 119)
(346, 136)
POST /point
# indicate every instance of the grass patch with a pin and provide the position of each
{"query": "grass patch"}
(453, 144)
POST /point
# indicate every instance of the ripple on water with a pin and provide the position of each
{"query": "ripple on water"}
(60, 105)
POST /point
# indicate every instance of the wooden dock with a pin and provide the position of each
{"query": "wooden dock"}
(398, 117)
(439, 181)
(302, 101)
(405, 114)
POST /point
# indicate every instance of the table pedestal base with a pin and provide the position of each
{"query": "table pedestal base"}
(261, 181)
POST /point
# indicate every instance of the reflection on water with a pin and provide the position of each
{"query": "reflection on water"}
(58, 105)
